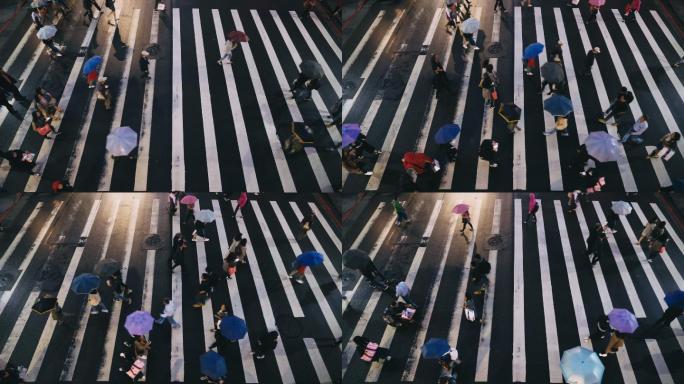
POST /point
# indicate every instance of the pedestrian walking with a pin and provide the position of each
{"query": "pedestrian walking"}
(198, 234)
(529, 65)
(88, 6)
(177, 255)
(119, 288)
(228, 48)
(189, 214)
(399, 209)
(141, 346)
(665, 147)
(4, 102)
(55, 50)
(172, 199)
(479, 268)
(440, 81)
(307, 6)
(648, 229)
(242, 201)
(20, 160)
(618, 107)
(631, 7)
(614, 344)
(589, 60)
(556, 52)
(670, 314)
(633, 135)
(499, 3)
(611, 220)
(572, 203)
(370, 351)
(465, 220)
(167, 313)
(602, 329)
(241, 251)
(297, 272)
(658, 241)
(489, 151)
(205, 288)
(265, 344)
(594, 242)
(96, 304)
(42, 125)
(112, 8)
(532, 209)
(37, 18)
(218, 316)
(305, 225)
(103, 93)
(468, 40)
(593, 11)
(47, 105)
(488, 85)
(144, 63)
(8, 85)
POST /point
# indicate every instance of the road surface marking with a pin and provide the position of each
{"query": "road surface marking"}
(326, 35)
(359, 328)
(519, 362)
(369, 224)
(667, 33)
(675, 238)
(148, 284)
(365, 127)
(177, 363)
(317, 360)
(18, 48)
(519, 156)
(20, 235)
(659, 168)
(278, 262)
(177, 146)
(349, 61)
(326, 226)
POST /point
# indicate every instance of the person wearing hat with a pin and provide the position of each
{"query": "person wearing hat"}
(144, 63)
(589, 60)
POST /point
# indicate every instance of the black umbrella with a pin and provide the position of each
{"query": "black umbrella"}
(553, 72)
(44, 305)
(509, 112)
(311, 69)
(106, 267)
(355, 259)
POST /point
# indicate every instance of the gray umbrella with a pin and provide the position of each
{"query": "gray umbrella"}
(311, 69)
(553, 72)
(107, 266)
(355, 259)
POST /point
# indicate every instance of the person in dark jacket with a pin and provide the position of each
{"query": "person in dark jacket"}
(670, 314)
(21, 160)
(619, 106)
(602, 329)
(265, 344)
(4, 102)
(8, 84)
(594, 242)
(589, 60)
(489, 151)
(144, 63)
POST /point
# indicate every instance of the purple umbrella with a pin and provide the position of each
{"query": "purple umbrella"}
(139, 323)
(349, 133)
(622, 320)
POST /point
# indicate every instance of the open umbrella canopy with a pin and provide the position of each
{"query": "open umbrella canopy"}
(122, 141)
(470, 25)
(188, 200)
(621, 207)
(106, 267)
(84, 283)
(509, 112)
(580, 365)
(622, 320)
(206, 216)
(553, 72)
(310, 258)
(675, 299)
(311, 69)
(355, 259)
(39, 3)
(153, 50)
(139, 323)
(44, 305)
(602, 146)
(446, 133)
(460, 208)
(238, 37)
(47, 32)
(349, 133)
(233, 327)
(435, 348)
(558, 105)
(598, 3)
(213, 365)
(92, 64)
(533, 50)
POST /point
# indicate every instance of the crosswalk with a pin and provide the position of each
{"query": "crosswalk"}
(205, 126)
(543, 296)
(399, 116)
(86, 347)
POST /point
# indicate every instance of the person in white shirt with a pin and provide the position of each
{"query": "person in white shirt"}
(633, 135)
(167, 314)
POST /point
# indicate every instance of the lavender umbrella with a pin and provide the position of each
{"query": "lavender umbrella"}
(622, 320)
(139, 323)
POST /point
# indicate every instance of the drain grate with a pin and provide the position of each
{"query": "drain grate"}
(495, 242)
(495, 50)
(152, 242)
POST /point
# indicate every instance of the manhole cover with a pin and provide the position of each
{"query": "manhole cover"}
(495, 241)
(152, 242)
(7, 280)
(495, 50)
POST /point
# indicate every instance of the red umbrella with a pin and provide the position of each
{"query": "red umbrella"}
(188, 200)
(238, 37)
(533, 200)
(597, 3)
(242, 200)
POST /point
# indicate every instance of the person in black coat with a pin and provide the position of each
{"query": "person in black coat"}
(265, 344)
(144, 63)
(18, 160)
(8, 85)
(589, 60)
(596, 238)
(489, 151)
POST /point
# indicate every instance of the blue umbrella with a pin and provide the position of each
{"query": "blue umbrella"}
(675, 298)
(92, 64)
(678, 185)
(533, 50)
(85, 283)
(558, 105)
(435, 348)
(310, 258)
(233, 328)
(447, 133)
(349, 133)
(213, 365)
(582, 366)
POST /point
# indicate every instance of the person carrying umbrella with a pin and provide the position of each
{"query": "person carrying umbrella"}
(665, 146)
(469, 30)
(21, 160)
(198, 234)
(119, 288)
(589, 60)
(46, 103)
(96, 304)
(552, 75)
(648, 229)
(265, 344)
(46, 34)
(618, 107)
(594, 242)
(241, 251)
(617, 341)
(234, 40)
(510, 113)
(489, 151)
(530, 54)
(213, 367)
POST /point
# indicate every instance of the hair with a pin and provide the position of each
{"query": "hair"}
(645, 117)
(166, 300)
(205, 275)
(677, 136)
(489, 68)
(243, 242)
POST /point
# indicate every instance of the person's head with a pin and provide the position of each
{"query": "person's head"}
(661, 224)
(166, 300)
(598, 226)
(205, 276)
(359, 340)
(93, 291)
(243, 242)
(643, 118)
(273, 335)
(676, 136)
(490, 68)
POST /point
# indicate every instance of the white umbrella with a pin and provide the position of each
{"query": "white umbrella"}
(621, 207)
(602, 146)
(47, 32)
(206, 216)
(39, 3)
(471, 25)
(122, 141)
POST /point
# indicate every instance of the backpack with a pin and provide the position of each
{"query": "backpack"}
(470, 314)
(629, 97)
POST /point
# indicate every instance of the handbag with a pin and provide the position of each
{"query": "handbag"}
(470, 314)
(494, 94)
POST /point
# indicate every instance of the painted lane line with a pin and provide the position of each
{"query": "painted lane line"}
(17, 141)
(106, 173)
(265, 303)
(115, 313)
(79, 145)
(623, 164)
(249, 172)
(448, 175)
(659, 168)
(349, 103)
(266, 116)
(278, 262)
(317, 360)
(555, 174)
(402, 109)
(326, 35)
(332, 271)
(143, 159)
(552, 354)
(329, 74)
(349, 61)
(666, 31)
(326, 226)
(482, 177)
(519, 156)
(151, 256)
(359, 329)
(369, 224)
(519, 363)
(484, 350)
(235, 301)
(20, 235)
(77, 339)
(46, 336)
(177, 143)
(321, 299)
(177, 363)
(321, 177)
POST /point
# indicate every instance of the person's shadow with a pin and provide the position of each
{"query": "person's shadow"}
(119, 46)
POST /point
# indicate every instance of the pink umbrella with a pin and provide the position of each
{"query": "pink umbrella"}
(242, 200)
(597, 3)
(460, 208)
(238, 37)
(188, 200)
(533, 201)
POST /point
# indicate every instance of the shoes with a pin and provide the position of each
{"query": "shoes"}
(603, 354)
(493, 165)
(123, 355)
(369, 173)
(94, 312)
(126, 343)
(650, 260)
(105, 310)
(476, 48)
